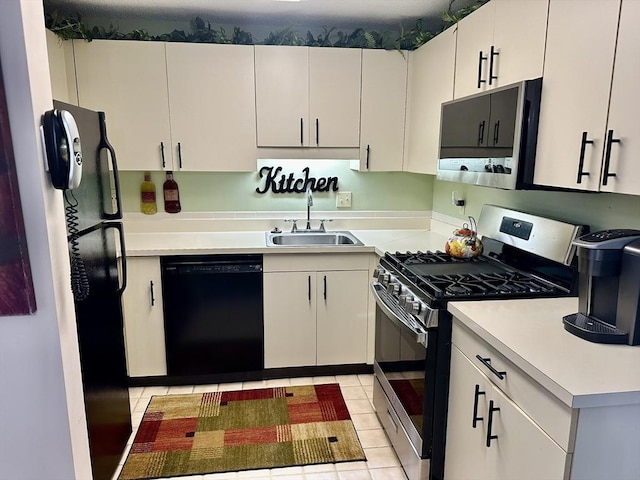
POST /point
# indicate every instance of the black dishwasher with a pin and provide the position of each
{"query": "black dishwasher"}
(213, 314)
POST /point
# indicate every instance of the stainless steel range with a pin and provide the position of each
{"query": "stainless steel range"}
(524, 256)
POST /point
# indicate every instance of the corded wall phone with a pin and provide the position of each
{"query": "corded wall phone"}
(63, 149)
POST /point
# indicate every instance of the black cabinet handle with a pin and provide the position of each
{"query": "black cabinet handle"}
(607, 157)
(476, 418)
(487, 363)
(496, 132)
(583, 146)
(325, 287)
(367, 163)
(301, 130)
(179, 155)
(309, 287)
(481, 132)
(153, 297)
(481, 58)
(162, 153)
(492, 409)
(317, 132)
(493, 54)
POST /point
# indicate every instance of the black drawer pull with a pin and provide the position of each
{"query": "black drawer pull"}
(367, 164)
(490, 437)
(476, 418)
(607, 157)
(583, 146)
(493, 54)
(153, 297)
(481, 58)
(487, 363)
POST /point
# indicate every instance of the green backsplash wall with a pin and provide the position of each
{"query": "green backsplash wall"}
(598, 210)
(208, 192)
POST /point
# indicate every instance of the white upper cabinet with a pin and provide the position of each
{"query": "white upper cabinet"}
(500, 43)
(282, 96)
(307, 97)
(212, 106)
(578, 146)
(61, 71)
(431, 72)
(334, 96)
(128, 81)
(384, 97)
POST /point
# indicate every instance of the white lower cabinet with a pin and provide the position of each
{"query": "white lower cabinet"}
(143, 318)
(315, 310)
(489, 436)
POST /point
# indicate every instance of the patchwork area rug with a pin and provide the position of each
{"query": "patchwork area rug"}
(242, 430)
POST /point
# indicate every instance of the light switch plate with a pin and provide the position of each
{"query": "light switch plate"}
(343, 199)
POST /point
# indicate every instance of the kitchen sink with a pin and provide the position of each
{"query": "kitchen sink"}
(312, 239)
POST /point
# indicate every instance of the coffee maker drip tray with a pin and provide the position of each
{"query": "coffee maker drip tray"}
(593, 330)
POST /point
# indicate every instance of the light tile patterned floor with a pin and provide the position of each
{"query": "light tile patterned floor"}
(357, 390)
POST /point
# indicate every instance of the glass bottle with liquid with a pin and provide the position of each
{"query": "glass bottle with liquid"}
(171, 194)
(148, 204)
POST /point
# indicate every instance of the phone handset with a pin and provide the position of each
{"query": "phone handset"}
(63, 149)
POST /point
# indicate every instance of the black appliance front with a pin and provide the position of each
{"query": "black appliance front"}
(102, 351)
(415, 379)
(213, 313)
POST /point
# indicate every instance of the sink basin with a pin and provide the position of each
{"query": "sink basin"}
(312, 239)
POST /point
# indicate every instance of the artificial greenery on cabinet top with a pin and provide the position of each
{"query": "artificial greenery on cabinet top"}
(202, 32)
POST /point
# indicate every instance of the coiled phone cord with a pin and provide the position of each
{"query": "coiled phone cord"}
(79, 278)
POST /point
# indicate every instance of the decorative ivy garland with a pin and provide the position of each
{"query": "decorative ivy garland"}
(73, 28)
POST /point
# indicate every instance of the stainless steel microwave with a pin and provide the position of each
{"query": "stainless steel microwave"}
(490, 138)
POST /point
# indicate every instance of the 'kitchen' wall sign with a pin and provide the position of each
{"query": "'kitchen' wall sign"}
(281, 183)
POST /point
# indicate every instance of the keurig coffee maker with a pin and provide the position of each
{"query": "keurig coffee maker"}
(609, 288)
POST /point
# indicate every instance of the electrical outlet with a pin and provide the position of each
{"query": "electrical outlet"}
(343, 200)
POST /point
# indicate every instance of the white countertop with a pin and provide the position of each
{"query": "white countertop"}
(186, 243)
(531, 334)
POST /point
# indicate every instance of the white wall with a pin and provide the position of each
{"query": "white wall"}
(42, 422)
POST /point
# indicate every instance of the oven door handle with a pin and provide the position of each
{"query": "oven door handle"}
(421, 335)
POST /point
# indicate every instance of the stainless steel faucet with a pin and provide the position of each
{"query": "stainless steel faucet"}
(309, 205)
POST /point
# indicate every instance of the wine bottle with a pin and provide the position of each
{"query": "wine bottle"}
(171, 194)
(148, 203)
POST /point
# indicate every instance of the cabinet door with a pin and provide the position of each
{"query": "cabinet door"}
(624, 105)
(282, 96)
(128, 81)
(519, 446)
(431, 71)
(289, 319)
(334, 96)
(212, 105)
(61, 71)
(475, 34)
(342, 317)
(519, 34)
(143, 318)
(384, 97)
(581, 40)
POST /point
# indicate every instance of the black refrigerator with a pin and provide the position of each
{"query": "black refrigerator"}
(92, 214)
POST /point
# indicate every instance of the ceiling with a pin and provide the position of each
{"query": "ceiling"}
(345, 14)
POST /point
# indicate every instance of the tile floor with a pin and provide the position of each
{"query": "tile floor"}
(357, 390)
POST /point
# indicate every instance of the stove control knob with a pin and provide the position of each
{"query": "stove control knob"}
(377, 272)
(393, 288)
(404, 299)
(384, 278)
(413, 307)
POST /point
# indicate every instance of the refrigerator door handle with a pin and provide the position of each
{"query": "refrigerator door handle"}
(123, 255)
(104, 144)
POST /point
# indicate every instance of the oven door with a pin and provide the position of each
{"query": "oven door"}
(404, 367)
